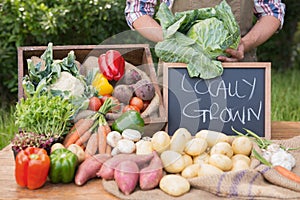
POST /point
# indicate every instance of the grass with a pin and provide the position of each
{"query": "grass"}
(285, 96)
(285, 104)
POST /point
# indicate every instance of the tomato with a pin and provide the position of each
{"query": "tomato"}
(136, 101)
(94, 103)
(104, 97)
(146, 104)
(130, 107)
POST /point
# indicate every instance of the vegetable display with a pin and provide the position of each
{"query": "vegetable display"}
(32, 167)
(63, 166)
(197, 37)
(130, 119)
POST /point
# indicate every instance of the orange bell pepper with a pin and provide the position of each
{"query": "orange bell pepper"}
(32, 167)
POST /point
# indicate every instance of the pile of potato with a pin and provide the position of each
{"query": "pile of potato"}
(208, 152)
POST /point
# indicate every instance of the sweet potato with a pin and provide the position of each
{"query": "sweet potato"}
(126, 176)
(107, 170)
(89, 167)
(151, 175)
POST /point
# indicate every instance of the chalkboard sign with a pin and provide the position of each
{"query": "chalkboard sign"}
(240, 98)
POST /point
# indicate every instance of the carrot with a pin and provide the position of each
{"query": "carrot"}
(108, 149)
(85, 136)
(73, 128)
(79, 131)
(287, 173)
(91, 147)
(102, 139)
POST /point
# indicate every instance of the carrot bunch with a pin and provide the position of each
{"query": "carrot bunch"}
(90, 133)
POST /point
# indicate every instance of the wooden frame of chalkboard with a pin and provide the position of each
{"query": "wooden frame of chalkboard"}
(240, 98)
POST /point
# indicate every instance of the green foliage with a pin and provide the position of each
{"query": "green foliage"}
(7, 126)
(63, 22)
(283, 48)
(285, 95)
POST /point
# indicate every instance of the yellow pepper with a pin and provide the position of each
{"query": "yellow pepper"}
(102, 85)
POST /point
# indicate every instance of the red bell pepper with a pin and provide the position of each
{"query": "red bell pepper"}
(112, 65)
(32, 167)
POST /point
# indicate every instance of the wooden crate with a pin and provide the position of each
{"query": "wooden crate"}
(136, 54)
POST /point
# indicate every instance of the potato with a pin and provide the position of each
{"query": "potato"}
(179, 139)
(240, 165)
(202, 158)
(160, 141)
(174, 185)
(190, 171)
(222, 148)
(238, 157)
(212, 137)
(78, 151)
(195, 146)
(242, 145)
(187, 160)
(173, 161)
(143, 147)
(56, 146)
(207, 169)
(220, 161)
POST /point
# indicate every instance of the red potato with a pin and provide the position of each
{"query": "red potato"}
(89, 167)
(107, 170)
(94, 103)
(152, 174)
(126, 176)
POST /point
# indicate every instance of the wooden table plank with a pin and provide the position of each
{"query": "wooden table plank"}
(93, 189)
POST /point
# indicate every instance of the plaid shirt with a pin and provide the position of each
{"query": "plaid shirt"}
(137, 8)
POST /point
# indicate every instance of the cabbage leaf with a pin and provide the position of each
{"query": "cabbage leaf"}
(197, 37)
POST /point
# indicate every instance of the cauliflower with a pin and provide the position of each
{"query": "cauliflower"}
(68, 82)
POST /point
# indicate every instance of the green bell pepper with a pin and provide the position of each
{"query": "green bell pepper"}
(129, 119)
(63, 164)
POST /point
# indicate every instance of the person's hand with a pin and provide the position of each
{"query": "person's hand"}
(235, 55)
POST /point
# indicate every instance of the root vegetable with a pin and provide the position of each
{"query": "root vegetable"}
(195, 146)
(78, 151)
(202, 158)
(242, 157)
(126, 176)
(239, 165)
(143, 74)
(242, 145)
(174, 185)
(89, 167)
(179, 139)
(187, 160)
(107, 169)
(144, 89)
(173, 161)
(220, 161)
(212, 137)
(131, 76)
(92, 145)
(222, 148)
(123, 93)
(152, 174)
(207, 169)
(160, 141)
(152, 107)
(191, 171)
(143, 147)
(56, 146)
(131, 134)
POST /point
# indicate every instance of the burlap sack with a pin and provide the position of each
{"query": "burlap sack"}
(260, 182)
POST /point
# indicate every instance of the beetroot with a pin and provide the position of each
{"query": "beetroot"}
(144, 89)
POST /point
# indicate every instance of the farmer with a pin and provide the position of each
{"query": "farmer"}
(270, 13)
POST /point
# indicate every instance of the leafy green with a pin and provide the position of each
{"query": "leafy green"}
(197, 37)
(45, 114)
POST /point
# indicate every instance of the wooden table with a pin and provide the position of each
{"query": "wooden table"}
(93, 189)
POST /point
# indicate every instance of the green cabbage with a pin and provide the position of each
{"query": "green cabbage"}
(197, 37)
